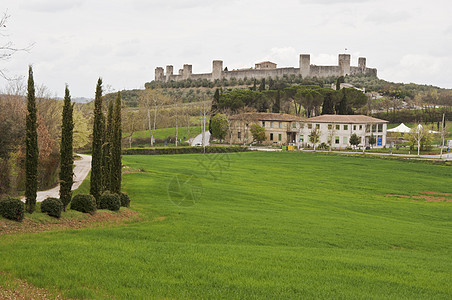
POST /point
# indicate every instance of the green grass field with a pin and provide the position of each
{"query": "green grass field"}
(256, 225)
(163, 133)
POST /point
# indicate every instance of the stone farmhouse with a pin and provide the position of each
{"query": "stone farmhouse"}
(285, 129)
(268, 69)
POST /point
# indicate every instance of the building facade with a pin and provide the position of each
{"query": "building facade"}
(280, 129)
(285, 129)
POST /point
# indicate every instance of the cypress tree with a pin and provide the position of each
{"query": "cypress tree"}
(32, 151)
(106, 149)
(116, 149)
(342, 107)
(277, 105)
(66, 151)
(96, 162)
(262, 86)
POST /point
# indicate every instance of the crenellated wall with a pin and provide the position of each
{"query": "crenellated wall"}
(305, 69)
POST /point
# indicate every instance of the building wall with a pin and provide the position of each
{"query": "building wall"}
(305, 69)
(273, 129)
(343, 132)
(293, 132)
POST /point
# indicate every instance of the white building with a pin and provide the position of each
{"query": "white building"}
(337, 130)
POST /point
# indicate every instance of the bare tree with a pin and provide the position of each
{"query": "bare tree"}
(7, 48)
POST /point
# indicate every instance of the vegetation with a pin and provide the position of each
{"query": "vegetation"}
(125, 199)
(66, 151)
(53, 207)
(110, 201)
(219, 125)
(98, 131)
(12, 208)
(84, 203)
(258, 133)
(32, 151)
(116, 148)
(335, 233)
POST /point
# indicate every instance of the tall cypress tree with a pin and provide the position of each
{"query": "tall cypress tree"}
(96, 162)
(277, 105)
(116, 149)
(106, 149)
(66, 151)
(32, 151)
(262, 86)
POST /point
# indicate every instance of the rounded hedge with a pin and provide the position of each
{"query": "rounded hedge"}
(52, 206)
(12, 208)
(84, 203)
(125, 200)
(110, 201)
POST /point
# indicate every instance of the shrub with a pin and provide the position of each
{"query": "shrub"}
(125, 200)
(110, 201)
(12, 208)
(52, 206)
(84, 203)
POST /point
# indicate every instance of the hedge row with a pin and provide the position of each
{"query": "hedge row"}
(183, 150)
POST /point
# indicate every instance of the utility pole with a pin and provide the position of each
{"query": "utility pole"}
(443, 134)
(176, 123)
(203, 127)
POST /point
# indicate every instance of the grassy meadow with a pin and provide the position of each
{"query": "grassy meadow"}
(163, 133)
(256, 225)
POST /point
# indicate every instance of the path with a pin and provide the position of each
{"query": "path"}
(81, 169)
(197, 141)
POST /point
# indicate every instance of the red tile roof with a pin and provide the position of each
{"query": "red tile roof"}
(267, 117)
(346, 119)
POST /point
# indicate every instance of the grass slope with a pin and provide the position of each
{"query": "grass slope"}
(163, 133)
(268, 225)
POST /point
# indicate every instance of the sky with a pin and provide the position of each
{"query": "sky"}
(75, 42)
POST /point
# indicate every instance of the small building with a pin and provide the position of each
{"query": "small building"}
(265, 65)
(336, 130)
(280, 129)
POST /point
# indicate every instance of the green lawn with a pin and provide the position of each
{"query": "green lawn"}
(163, 133)
(266, 225)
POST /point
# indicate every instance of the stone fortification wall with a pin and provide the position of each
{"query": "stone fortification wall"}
(305, 69)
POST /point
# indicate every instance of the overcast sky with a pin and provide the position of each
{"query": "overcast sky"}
(76, 41)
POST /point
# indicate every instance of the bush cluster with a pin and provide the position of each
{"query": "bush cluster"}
(12, 208)
(110, 201)
(52, 206)
(125, 200)
(84, 203)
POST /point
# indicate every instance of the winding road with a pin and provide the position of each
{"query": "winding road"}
(81, 169)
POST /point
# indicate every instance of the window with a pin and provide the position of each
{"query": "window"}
(317, 126)
(380, 127)
(263, 123)
(309, 126)
(301, 125)
(239, 135)
(360, 127)
(374, 128)
(336, 140)
(338, 127)
(294, 124)
(367, 128)
(354, 127)
(271, 124)
(345, 140)
(345, 127)
(271, 136)
(279, 137)
(280, 124)
(330, 126)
